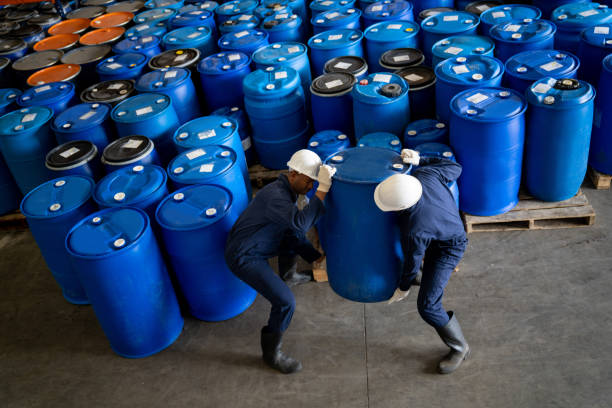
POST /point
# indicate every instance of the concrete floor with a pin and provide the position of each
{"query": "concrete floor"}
(535, 306)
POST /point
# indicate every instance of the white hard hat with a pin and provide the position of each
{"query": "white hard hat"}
(306, 162)
(398, 192)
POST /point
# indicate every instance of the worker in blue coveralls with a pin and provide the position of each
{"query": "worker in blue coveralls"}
(272, 225)
(431, 229)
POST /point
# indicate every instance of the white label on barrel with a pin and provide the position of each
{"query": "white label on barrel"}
(541, 88)
(551, 66)
(115, 86)
(280, 75)
(589, 13)
(477, 98)
(69, 152)
(413, 77)
(241, 34)
(233, 57)
(207, 168)
(170, 74)
(246, 144)
(499, 14)
(245, 17)
(293, 50)
(180, 58)
(144, 111)
(343, 65)
(132, 144)
(394, 26)
(142, 27)
(194, 35)
(400, 58)
(382, 78)
(87, 115)
(513, 28)
(327, 3)
(114, 65)
(47, 87)
(333, 84)
(376, 8)
(197, 13)
(206, 134)
(334, 37)
(195, 154)
(483, 7)
(461, 69)
(451, 18)
(29, 117)
(282, 16)
(602, 30)
(146, 39)
(453, 50)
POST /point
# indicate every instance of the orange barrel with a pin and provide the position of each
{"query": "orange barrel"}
(117, 19)
(102, 36)
(56, 73)
(62, 42)
(72, 26)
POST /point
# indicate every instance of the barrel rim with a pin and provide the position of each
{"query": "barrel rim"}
(126, 203)
(61, 214)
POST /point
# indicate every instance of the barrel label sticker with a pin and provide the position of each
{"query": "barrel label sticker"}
(42, 89)
(461, 69)
(114, 65)
(512, 28)
(477, 98)
(194, 35)
(293, 50)
(207, 168)
(343, 65)
(483, 7)
(241, 34)
(170, 74)
(451, 18)
(334, 37)
(142, 27)
(282, 16)
(233, 57)
(498, 14)
(589, 13)
(115, 86)
(245, 17)
(551, 66)
(280, 75)
(180, 58)
(155, 17)
(541, 88)
(207, 134)
(196, 13)
(146, 39)
(394, 26)
(144, 111)
(413, 77)
(401, 58)
(131, 144)
(70, 152)
(602, 30)
(333, 15)
(382, 78)
(333, 84)
(29, 117)
(195, 154)
(376, 8)
(327, 3)
(246, 144)
(453, 50)
(87, 115)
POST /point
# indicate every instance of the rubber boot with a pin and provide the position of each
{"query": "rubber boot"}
(287, 269)
(274, 357)
(453, 337)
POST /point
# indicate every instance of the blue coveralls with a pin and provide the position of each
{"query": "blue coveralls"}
(270, 226)
(432, 228)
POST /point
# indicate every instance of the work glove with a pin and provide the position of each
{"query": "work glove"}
(410, 157)
(325, 177)
(398, 295)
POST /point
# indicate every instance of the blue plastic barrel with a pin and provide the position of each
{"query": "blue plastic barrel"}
(600, 155)
(119, 263)
(399, 58)
(234, 8)
(443, 25)
(380, 104)
(356, 66)
(262, 12)
(439, 150)
(332, 103)
(548, 6)
(199, 5)
(362, 242)
(457, 74)
(505, 14)
(13, 48)
(195, 222)
(285, 54)
(239, 22)
(194, 18)
(558, 137)
(25, 139)
(274, 154)
(524, 68)
(155, 15)
(297, 6)
(423, 12)
(328, 142)
(221, 78)
(284, 27)
(319, 6)
(425, 131)
(421, 82)
(487, 134)
(199, 37)
(55, 95)
(148, 45)
(387, 10)
(86, 121)
(176, 58)
(75, 158)
(246, 41)
(388, 35)
(518, 36)
(153, 29)
(331, 44)
(8, 99)
(109, 92)
(129, 151)
(172, 4)
(150, 114)
(381, 140)
(461, 46)
(51, 209)
(87, 57)
(571, 19)
(122, 66)
(595, 44)
(177, 84)
(244, 129)
(336, 19)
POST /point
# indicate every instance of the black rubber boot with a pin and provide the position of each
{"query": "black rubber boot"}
(274, 357)
(287, 270)
(453, 337)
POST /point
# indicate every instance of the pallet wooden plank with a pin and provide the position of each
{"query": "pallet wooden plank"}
(529, 203)
(600, 181)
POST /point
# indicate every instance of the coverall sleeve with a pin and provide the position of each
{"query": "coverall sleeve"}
(414, 250)
(302, 246)
(285, 213)
(445, 170)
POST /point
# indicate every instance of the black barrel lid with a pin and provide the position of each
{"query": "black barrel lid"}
(26, 30)
(88, 3)
(108, 91)
(269, 23)
(567, 84)
(131, 6)
(70, 155)
(87, 12)
(4, 62)
(7, 26)
(399, 58)
(479, 7)
(347, 64)
(87, 54)
(27, 7)
(433, 11)
(45, 19)
(49, 7)
(391, 90)
(20, 15)
(178, 58)
(333, 83)
(418, 77)
(126, 149)
(10, 45)
(38, 60)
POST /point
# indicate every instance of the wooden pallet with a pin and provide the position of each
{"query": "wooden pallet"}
(600, 181)
(13, 221)
(260, 176)
(532, 214)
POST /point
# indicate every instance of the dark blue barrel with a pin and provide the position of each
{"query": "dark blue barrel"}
(421, 82)
(109, 92)
(319, 6)
(297, 6)
(328, 142)
(558, 137)
(31, 63)
(525, 68)
(221, 78)
(332, 103)
(600, 155)
(385, 36)
(336, 19)
(400, 58)
(154, 29)
(487, 134)
(123, 66)
(86, 121)
(262, 12)
(284, 27)
(87, 57)
(75, 158)
(195, 222)
(234, 8)
(239, 22)
(439, 150)
(25, 139)
(177, 84)
(548, 6)
(199, 5)
(356, 66)
(274, 154)
(331, 44)
(8, 99)
(194, 18)
(571, 19)
(425, 131)
(129, 151)
(522, 35)
(380, 104)
(51, 209)
(362, 242)
(443, 25)
(119, 263)
(285, 54)
(45, 21)
(246, 41)
(141, 186)
(30, 33)
(172, 4)
(155, 15)
(506, 13)
(199, 37)
(387, 10)
(424, 12)
(148, 114)
(10, 196)
(381, 140)
(148, 45)
(13, 48)
(461, 46)
(595, 44)
(244, 129)
(457, 74)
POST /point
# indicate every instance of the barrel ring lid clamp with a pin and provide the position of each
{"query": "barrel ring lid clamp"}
(567, 84)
